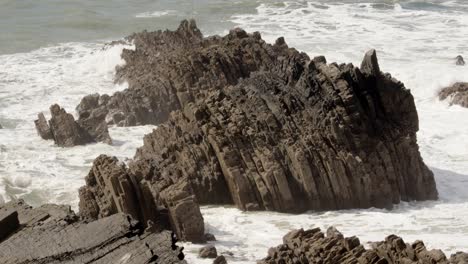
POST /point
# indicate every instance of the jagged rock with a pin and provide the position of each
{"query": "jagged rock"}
(208, 252)
(220, 260)
(53, 234)
(112, 188)
(457, 94)
(94, 121)
(66, 132)
(312, 246)
(43, 128)
(459, 60)
(260, 126)
(8, 223)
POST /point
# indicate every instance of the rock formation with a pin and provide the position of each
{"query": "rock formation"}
(260, 126)
(459, 60)
(66, 132)
(208, 252)
(456, 94)
(53, 234)
(312, 246)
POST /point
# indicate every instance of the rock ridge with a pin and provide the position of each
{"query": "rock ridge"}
(260, 126)
(313, 246)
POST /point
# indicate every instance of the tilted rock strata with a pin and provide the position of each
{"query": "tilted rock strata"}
(66, 132)
(264, 127)
(312, 246)
(112, 188)
(456, 94)
(53, 234)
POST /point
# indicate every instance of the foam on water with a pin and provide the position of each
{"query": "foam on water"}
(155, 14)
(35, 169)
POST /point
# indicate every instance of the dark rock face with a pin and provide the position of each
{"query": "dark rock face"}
(459, 60)
(259, 126)
(312, 246)
(457, 94)
(53, 234)
(112, 188)
(66, 132)
(8, 223)
(208, 252)
(220, 260)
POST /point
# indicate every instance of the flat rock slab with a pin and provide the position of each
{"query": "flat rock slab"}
(53, 234)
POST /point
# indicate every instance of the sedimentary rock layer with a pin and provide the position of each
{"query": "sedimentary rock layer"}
(312, 246)
(260, 126)
(53, 234)
(456, 94)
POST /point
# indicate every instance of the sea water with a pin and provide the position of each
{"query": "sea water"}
(55, 52)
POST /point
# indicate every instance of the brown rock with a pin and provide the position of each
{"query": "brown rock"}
(53, 234)
(8, 223)
(66, 132)
(220, 260)
(459, 60)
(456, 94)
(259, 126)
(208, 252)
(43, 128)
(312, 246)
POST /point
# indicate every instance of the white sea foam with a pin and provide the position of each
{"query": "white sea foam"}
(155, 14)
(35, 169)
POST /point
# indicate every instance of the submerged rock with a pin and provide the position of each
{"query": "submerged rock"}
(208, 252)
(66, 132)
(459, 60)
(54, 234)
(456, 94)
(312, 246)
(256, 125)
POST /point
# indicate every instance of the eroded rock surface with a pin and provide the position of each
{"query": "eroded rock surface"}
(66, 132)
(456, 94)
(312, 246)
(53, 234)
(260, 126)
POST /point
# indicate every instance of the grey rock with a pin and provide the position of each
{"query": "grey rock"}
(459, 60)
(312, 246)
(259, 126)
(220, 260)
(208, 252)
(53, 234)
(210, 237)
(43, 128)
(456, 94)
(66, 132)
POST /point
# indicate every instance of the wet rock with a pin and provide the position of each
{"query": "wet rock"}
(456, 94)
(220, 260)
(53, 234)
(111, 188)
(66, 132)
(459, 60)
(312, 246)
(259, 126)
(210, 237)
(43, 128)
(208, 252)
